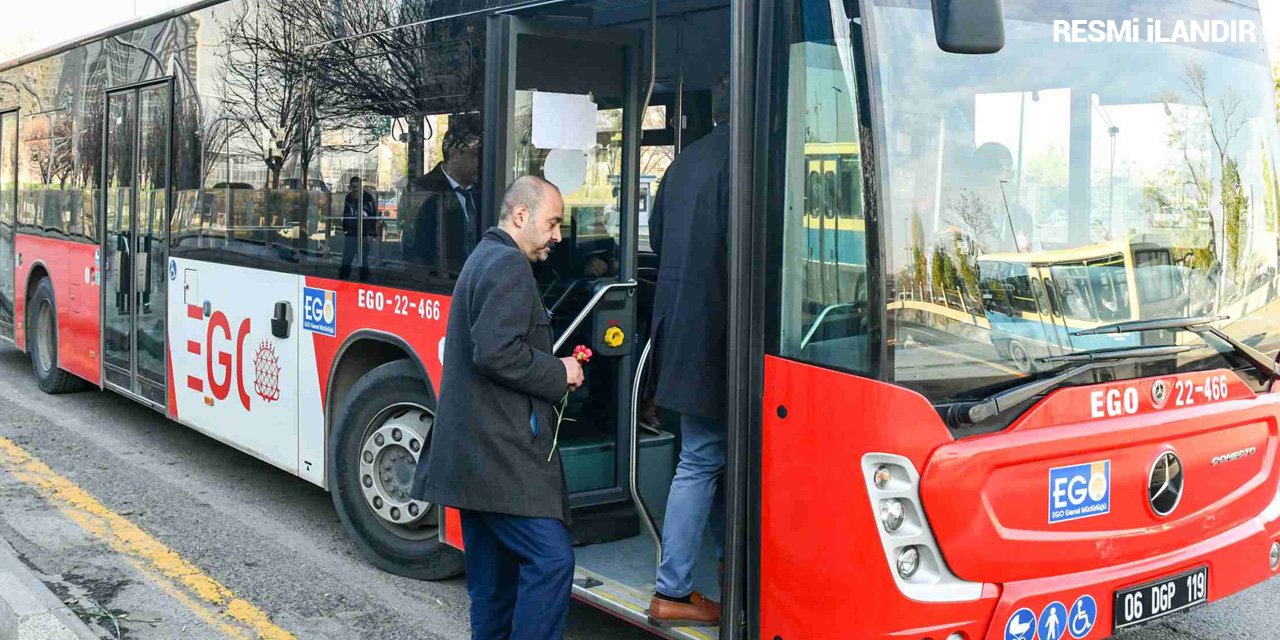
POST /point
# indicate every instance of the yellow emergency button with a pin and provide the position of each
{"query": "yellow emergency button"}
(613, 337)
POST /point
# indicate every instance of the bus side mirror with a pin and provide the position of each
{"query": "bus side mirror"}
(969, 26)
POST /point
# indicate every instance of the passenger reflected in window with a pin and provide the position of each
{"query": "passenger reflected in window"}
(448, 222)
(358, 233)
(991, 204)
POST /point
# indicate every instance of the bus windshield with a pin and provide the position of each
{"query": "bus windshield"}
(1056, 186)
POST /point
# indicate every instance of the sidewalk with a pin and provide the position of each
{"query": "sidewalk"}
(28, 610)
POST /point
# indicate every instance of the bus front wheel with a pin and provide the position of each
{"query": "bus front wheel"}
(42, 342)
(1021, 359)
(381, 429)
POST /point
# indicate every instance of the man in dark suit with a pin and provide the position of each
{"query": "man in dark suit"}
(357, 205)
(448, 223)
(492, 452)
(688, 230)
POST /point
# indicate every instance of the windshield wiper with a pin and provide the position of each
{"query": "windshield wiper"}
(1199, 325)
(965, 414)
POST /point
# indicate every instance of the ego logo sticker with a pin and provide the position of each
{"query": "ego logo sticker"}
(1079, 491)
(320, 311)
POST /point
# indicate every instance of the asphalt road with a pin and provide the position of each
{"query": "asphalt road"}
(272, 540)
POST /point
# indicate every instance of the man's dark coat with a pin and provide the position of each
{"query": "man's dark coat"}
(688, 230)
(440, 232)
(498, 367)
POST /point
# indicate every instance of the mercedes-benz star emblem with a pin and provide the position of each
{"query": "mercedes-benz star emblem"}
(1165, 487)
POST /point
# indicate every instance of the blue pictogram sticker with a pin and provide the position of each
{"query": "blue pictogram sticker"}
(173, 269)
(1021, 625)
(320, 311)
(1083, 614)
(1053, 622)
(1079, 491)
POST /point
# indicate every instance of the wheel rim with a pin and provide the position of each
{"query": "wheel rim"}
(390, 448)
(44, 337)
(1020, 357)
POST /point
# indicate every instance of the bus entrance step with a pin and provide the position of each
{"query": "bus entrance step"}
(604, 523)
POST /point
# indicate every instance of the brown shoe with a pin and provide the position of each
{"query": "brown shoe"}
(700, 613)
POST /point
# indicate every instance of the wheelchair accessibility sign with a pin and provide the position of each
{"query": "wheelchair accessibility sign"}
(1083, 614)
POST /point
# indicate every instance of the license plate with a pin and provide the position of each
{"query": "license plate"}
(1141, 604)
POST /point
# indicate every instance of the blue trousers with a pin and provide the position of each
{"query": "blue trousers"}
(519, 576)
(695, 503)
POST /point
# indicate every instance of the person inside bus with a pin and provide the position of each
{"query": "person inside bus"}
(990, 178)
(448, 222)
(493, 453)
(353, 238)
(688, 229)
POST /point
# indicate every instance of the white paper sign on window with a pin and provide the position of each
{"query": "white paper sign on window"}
(563, 121)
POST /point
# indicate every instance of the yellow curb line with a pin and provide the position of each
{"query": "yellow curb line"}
(147, 553)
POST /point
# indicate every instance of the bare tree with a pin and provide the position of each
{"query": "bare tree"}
(387, 58)
(267, 105)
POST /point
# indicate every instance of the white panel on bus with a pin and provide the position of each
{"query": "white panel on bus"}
(232, 378)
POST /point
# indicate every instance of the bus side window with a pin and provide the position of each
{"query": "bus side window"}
(850, 188)
(1052, 294)
(832, 203)
(1019, 283)
(813, 195)
(1042, 300)
(1154, 275)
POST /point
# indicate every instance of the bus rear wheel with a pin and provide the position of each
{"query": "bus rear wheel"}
(380, 431)
(42, 342)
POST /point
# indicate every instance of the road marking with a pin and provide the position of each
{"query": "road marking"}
(979, 361)
(154, 558)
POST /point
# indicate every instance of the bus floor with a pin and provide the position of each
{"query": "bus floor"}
(619, 577)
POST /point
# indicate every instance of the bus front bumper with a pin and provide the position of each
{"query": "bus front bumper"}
(1236, 560)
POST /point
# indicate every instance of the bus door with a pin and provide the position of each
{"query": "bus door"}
(566, 108)
(1049, 299)
(135, 232)
(8, 211)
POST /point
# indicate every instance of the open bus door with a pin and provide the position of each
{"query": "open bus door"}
(8, 212)
(564, 103)
(137, 130)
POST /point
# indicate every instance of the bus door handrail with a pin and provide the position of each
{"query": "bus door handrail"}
(645, 516)
(586, 311)
(804, 342)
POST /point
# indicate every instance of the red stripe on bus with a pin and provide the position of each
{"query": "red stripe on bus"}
(195, 312)
(193, 347)
(195, 384)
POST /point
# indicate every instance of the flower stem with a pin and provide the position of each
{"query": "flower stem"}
(555, 438)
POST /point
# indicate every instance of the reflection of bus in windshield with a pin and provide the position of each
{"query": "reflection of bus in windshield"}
(834, 236)
(1035, 301)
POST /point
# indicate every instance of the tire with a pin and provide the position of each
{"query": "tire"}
(370, 492)
(1021, 359)
(42, 342)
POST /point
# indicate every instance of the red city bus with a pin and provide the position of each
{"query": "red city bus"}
(1003, 309)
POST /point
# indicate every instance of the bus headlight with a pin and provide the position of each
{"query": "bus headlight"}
(882, 476)
(908, 562)
(892, 514)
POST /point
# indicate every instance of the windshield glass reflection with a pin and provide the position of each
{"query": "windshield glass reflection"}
(1056, 187)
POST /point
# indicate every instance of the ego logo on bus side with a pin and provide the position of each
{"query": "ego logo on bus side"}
(320, 311)
(1111, 403)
